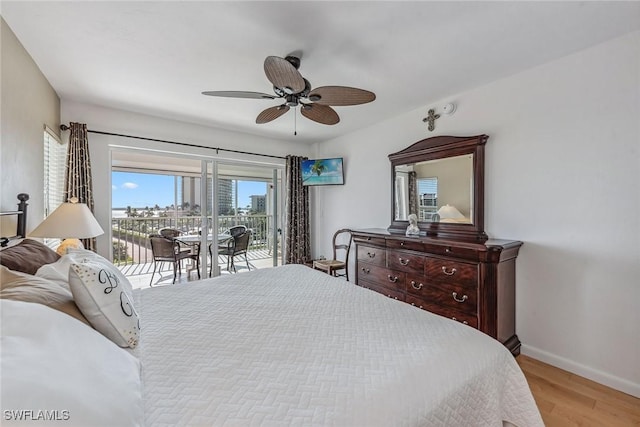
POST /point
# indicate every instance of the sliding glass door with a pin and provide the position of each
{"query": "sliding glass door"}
(249, 196)
(201, 198)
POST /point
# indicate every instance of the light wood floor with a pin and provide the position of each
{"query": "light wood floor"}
(566, 399)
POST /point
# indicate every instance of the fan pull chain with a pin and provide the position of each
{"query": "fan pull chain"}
(295, 123)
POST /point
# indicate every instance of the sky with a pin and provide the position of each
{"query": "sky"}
(139, 190)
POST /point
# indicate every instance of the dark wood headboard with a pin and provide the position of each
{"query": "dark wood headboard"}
(21, 213)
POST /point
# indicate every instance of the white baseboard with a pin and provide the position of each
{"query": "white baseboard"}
(604, 378)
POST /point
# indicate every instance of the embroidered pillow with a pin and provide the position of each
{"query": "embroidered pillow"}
(101, 296)
(59, 271)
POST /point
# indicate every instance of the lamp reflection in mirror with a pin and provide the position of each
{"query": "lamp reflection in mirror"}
(450, 212)
(70, 221)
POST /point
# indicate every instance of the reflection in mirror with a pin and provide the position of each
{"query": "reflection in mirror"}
(439, 190)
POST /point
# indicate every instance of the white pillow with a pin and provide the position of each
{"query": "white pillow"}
(51, 362)
(101, 297)
(59, 271)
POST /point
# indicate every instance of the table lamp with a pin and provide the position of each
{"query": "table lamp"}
(450, 212)
(70, 221)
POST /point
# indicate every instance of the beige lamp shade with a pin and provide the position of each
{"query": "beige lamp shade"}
(69, 220)
(449, 212)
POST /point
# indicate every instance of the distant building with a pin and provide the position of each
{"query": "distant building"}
(225, 197)
(189, 192)
(259, 203)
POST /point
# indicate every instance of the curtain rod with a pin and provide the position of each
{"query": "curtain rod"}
(65, 127)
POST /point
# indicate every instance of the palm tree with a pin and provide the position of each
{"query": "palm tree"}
(318, 167)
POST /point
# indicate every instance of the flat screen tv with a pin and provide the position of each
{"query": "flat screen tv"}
(322, 172)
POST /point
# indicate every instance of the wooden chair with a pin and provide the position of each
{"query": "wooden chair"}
(166, 249)
(331, 266)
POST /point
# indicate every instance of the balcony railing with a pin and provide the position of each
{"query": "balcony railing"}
(130, 236)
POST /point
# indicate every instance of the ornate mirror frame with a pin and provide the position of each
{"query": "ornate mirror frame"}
(441, 147)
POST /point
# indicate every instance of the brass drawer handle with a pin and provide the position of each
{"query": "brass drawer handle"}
(448, 272)
(418, 287)
(371, 255)
(463, 299)
(366, 270)
(464, 322)
(403, 261)
(401, 243)
(391, 278)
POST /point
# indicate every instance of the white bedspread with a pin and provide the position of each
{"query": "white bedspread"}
(293, 346)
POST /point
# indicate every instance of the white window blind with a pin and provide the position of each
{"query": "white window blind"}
(427, 197)
(55, 153)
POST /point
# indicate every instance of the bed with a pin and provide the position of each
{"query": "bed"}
(281, 346)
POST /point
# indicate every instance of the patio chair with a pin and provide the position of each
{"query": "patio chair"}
(168, 250)
(235, 246)
(223, 245)
(170, 232)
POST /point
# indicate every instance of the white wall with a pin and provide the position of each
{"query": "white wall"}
(123, 122)
(28, 104)
(562, 175)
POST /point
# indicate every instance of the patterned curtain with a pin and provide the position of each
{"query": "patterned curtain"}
(413, 193)
(77, 181)
(297, 247)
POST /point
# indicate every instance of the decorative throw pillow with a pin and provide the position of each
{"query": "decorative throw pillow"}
(18, 286)
(27, 256)
(101, 297)
(59, 271)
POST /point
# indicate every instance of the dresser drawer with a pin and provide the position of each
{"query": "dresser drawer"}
(445, 295)
(388, 278)
(372, 255)
(444, 271)
(452, 251)
(465, 318)
(405, 261)
(408, 244)
(391, 293)
(369, 240)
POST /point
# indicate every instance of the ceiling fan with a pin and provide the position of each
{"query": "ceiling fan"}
(288, 84)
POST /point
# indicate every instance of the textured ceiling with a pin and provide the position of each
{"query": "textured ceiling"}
(157, 57)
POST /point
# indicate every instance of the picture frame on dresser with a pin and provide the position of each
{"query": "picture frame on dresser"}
(452, 268)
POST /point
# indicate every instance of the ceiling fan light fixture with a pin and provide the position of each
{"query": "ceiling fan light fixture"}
(292, 101)
(289, 85)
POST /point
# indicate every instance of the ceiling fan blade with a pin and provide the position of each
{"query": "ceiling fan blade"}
(320, 113)
(239, 94)
(340, 95)
(282, 74)
(271, 114)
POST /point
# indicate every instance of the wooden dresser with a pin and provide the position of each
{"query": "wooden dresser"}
(468, 281)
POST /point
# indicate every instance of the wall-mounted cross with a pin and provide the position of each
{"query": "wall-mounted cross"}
(431, 119)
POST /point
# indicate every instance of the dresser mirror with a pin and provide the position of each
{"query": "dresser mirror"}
(441, 181)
